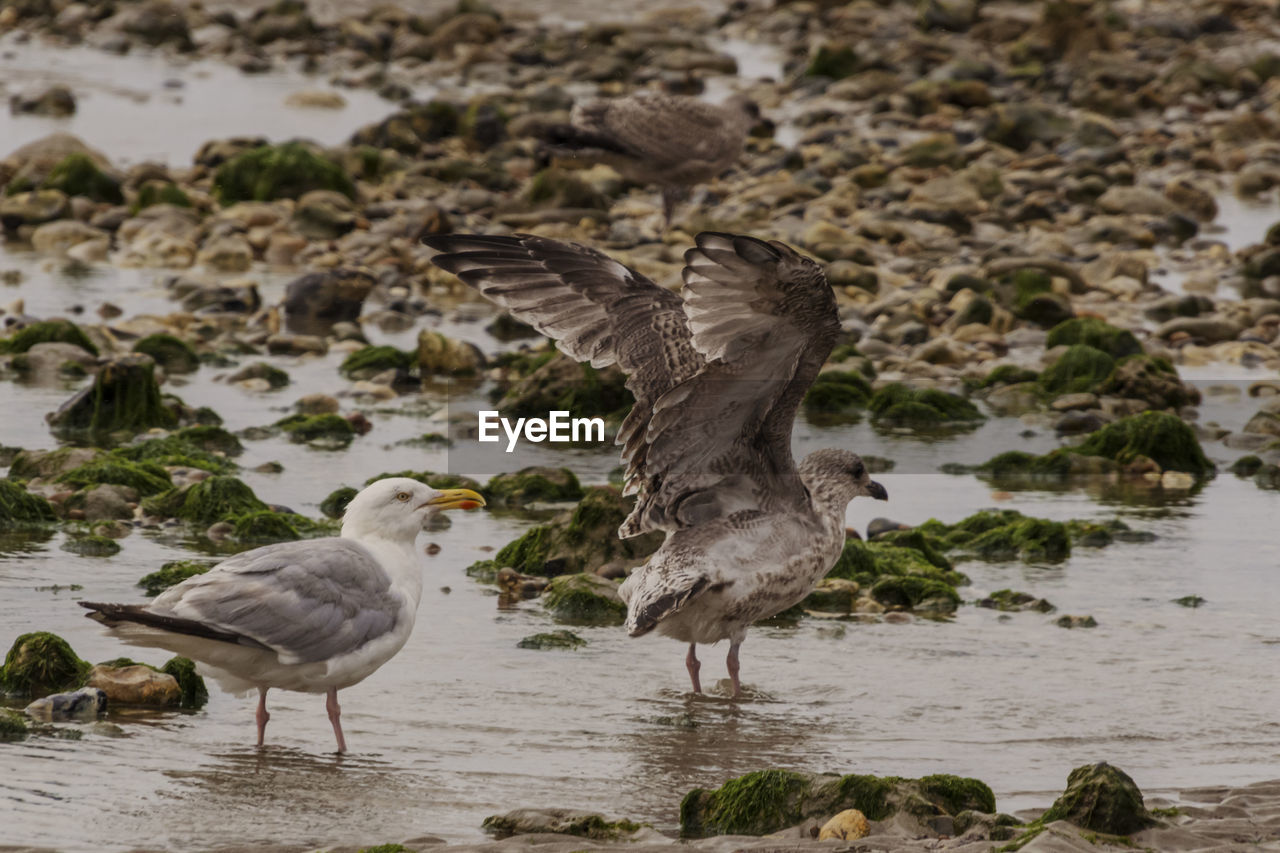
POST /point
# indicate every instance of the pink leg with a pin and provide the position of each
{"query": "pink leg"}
(262, 716)
(732, 662)
(331, 705)
(691, 663)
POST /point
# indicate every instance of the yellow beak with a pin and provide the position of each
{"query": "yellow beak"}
(456, 499)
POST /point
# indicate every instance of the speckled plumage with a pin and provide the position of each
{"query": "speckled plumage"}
(718, 374)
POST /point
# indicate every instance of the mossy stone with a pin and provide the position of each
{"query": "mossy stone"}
(755, 804)
(329, 428)
(956, 794)
(173, 354)
(191, 447)
(868, 562)
(584, 599)
(837, 392)
(533, 484)
(900, 405)
(335, 504)
(289, 170)
(1155, 380)
(555, 187)
(41, 663)
(78, 175)
(1101, 798)
(834, 62)
(561, 639)
(1080, 368)
(1246, 466)
(912, 592)
(47, 331)
(147, 478)
(561, 384)
(18, 507)
(13, 726)
(214, 499)
(1099, 334)
(1159, 436)
(1003, 535)
(91, 546)
(124, 396)
(1008, 374)
(264, 526)
(170, 574)
(160, 192)
(194, 692)
(371, 360)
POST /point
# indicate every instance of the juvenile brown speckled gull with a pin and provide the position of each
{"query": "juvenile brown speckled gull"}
(717, 375)
(669, 140)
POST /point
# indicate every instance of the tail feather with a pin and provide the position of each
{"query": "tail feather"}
(646, 614)
(112, 614)
(568, 139)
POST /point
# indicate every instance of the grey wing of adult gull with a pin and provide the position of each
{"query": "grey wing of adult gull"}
(307, 601)
(717, 375)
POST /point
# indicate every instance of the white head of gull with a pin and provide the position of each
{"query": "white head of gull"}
(717, 373)
(314, 616)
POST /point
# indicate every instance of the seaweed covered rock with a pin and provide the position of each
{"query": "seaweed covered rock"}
(532, 485)
(555, 187)
(1099, 334)
(584, 599)
(124, 397)
(1008, 600)
(331, 431)
(78, 175)
(170, 574)
(210, 500)
(581, 540)
(173, 354)
(562, 384)
(867, 562)
(46, 331)
(335, 504)
(1155, 380)
(40, 663)
(18, 507)
(832, 595)
(1101, 798)
(146, 478)
(318, 299)
(204, 447)
(1003, 535)
(1080, 368)
(561, 639)
(12, 725)
(558, 822)
(915, 593)
(289, 170)
(409, 129)
(445, 356)
(33, 208)
(264, 527)
(192, 692)
(768, 801)
(91, 546)
(837, 393)
(372, 360)
(900, 405)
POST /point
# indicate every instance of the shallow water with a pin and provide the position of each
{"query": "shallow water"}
(463, 724)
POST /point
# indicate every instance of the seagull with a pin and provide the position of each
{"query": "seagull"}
(315, 616)
(717, 374)
(673, 141)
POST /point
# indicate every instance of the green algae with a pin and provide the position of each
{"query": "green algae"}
(955, 794)
(13, 726)
(91, 546)
(582, 599)
(1154, 380)
(1003, 535)
(170, 574)
(335, 504)
(124, 397)
(561, 639)
(18, 507)
(160, 192)
(867, 562)
(173, 354)
(193, 690)
(1102, 798)
(555, 187)
(265, 526)
(1080, 368)
(214, 499)
(913, 592)
(371, 360)
(47, 331)
(192, 447)
(755, 804)
(529, 485)
(835, 62)
(77, 175)
(900, 405)
(837, 392)
(146, 478)
(270, 172)
(330, 429)
(40, 663)
(1008, 374)
(1159, 436)
(1096, 333)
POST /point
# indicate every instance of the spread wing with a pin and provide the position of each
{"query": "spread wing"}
(307, 601)
(717, 376)
(594, 308)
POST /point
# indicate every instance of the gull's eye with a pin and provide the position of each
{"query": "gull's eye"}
(402, 496)
(858, 470)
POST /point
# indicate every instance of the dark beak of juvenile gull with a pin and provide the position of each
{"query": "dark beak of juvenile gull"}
(457, 499)
(877, 491)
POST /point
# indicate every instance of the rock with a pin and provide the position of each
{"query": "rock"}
(1103, 799)
(229, 253)
(41, 663)
(205, 502)
(584, 599)
(848, 825)
(317, 404)
(324, 215)
(1020, 125)
(554, 640)
(62, 331)
(33, 208)
(318, 99)
(532, 485)
(322, 298)
(438, 354)
(832, 595)
(1117, 343)
(49, 464)
(56, 102)
(61, 236)
(79, 174)
(332, 431)
(1209, 330)
(1068, 402)
(87, 703)
(19, 508)
(173, 354)
(170, 574)
(1153, 380)
(53, 360)
(107, 501)
(156, 22)
(1265, 422)
(270, 376)
(1078, 370)
(12, 725)
(901, 405)
(1076, 622)
(881, 525)
(1077, 423)
(124, 396)
(289, 170)
(135, 685)
(558, 822)
(563, 384)
(1135, 200)
(1010, 601)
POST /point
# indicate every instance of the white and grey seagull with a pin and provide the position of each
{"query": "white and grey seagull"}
(315, 616)
(717, 374)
